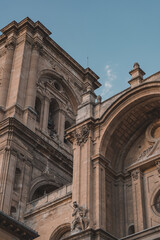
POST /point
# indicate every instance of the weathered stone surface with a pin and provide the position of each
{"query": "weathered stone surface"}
(60, 144)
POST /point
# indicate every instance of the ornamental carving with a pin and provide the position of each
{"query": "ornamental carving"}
(11, 45)
(158, 166)
(82, 135)
(80, 222)
(135, 174)
(145, 152)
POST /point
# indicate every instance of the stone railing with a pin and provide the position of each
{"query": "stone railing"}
(49, 199)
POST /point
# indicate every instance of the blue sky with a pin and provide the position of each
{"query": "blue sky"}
(113, 34)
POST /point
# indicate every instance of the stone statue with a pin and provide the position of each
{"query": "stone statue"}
(80, 221)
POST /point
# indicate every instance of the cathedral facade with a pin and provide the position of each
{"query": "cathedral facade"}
(71, 166)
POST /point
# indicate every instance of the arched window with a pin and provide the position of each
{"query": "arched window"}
(13, 212)
(17, 180)
(131, 229)
(43, 190)
(53, 117)
(38, 109)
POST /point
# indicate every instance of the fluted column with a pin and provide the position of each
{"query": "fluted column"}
(31, 87)
(10, 46)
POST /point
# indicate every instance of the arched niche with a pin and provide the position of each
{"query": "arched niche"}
(61, 232)
(131, 229)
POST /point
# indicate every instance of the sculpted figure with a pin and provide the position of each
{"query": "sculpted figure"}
(80, 221)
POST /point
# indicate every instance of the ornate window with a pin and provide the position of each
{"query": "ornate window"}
(156, 202)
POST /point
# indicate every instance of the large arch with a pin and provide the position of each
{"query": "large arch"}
(126, 119)
(61, 231)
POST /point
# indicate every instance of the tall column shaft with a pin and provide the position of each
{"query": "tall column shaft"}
(99, 194)
(138, 200)
(6, 73)
(45, 114)
(31, 87)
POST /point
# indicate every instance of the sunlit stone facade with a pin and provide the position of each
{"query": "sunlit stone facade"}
(72, 166)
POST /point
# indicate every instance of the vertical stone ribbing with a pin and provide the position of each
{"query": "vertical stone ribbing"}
(6, 73)
(31, 87)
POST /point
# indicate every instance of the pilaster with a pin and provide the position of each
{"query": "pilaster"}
(10, 47)
(138, 200)
(99, 192)
(31, 87)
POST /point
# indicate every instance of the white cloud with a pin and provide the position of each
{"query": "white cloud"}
(110, 77)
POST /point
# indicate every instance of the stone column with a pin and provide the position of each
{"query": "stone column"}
(61, 122)
(82, 166)
(31, 87)
(6, 73)
(138, 200)
(99, 192)
(45, 114)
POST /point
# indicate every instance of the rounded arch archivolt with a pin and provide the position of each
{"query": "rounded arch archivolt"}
(66, 85)
(40, 183)
(61, 231)
(126, 119)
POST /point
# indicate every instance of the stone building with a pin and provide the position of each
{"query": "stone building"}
(72, 166)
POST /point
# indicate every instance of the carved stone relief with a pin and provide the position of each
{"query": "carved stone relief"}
(158, 167)
(135, 174)
(80, 221)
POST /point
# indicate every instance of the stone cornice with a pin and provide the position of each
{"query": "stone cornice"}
(27, 22)
(13, 126)
(16, 228)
